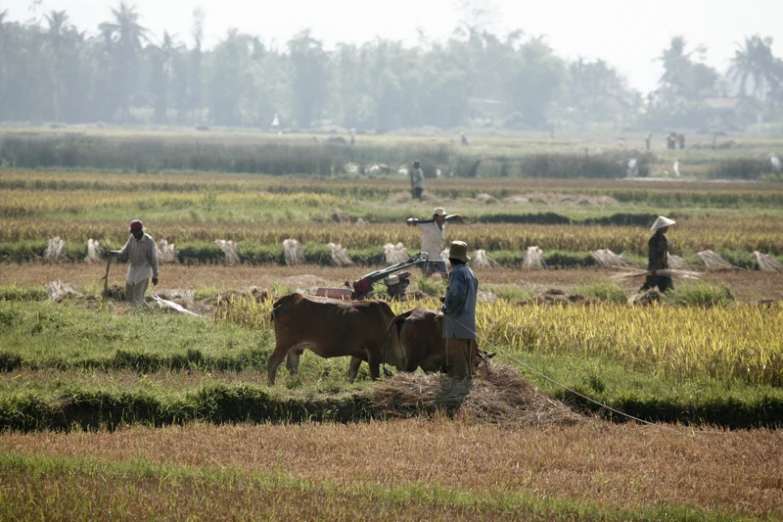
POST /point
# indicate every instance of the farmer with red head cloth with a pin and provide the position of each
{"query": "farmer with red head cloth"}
(140, 250)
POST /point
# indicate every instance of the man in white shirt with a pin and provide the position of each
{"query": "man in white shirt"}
(417, 181)
(432, 235)
(142, 253)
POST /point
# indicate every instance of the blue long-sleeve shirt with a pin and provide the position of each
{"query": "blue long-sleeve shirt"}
(459, 308)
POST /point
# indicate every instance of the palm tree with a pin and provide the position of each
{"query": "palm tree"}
(126, 36)
(753, 61)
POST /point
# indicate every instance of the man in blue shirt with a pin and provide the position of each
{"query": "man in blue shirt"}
(459, 314)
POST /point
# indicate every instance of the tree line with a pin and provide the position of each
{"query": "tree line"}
(51, 71)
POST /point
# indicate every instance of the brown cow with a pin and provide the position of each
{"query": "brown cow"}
(417, 341)
(330, 328)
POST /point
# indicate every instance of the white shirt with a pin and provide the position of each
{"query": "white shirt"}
(143, 257)
(432, 239)
(418, 178)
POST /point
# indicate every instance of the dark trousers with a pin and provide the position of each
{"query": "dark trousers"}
(664, 283)
(417, 192)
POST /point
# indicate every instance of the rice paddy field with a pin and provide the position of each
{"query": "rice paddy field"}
(107, 413)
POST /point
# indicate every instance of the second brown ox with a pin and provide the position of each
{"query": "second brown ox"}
(417, 341)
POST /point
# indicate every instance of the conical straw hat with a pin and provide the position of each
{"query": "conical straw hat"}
(662, 222)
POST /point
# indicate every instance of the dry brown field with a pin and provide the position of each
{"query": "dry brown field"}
(614, 466)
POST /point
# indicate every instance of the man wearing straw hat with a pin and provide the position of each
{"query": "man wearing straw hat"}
(459, 314)
(432, 235)
(658, 256)
(143, 256)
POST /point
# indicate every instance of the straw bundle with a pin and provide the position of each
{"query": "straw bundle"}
(767, 262)
(339, 255)
(395, 253)
(293, 252)
(93, 251)
(607, 258)
(167, 252)
(480, 259)
(54, 249)
(534, 259)
(670, 272)
(58, 291)
(714, 260)
(231, 250)
(499, 395)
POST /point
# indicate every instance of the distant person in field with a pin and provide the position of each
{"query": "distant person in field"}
(658, 256)
(463, 139)
(142, 253)
(432, 234)
(459, 314)
(417, 181)
(353, 136)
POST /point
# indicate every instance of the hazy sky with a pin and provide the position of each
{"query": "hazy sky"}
(627, 33)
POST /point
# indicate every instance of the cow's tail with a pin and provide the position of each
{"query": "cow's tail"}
(394, 350)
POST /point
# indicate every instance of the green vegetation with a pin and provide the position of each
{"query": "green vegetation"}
(69, 365)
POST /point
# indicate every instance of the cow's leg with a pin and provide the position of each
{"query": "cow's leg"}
(374, 361)
(274, 362)
(353, 369)
(292, 360)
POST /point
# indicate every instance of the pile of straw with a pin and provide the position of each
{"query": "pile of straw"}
(607, 258)
(480, 259)
(340, 256)
(231, 250)
(93, 251)
(497, 395)
(58, 291)
(54, 250)
(767, 263)
(534, 259)
(293, 252)
(713, 260)
(677, 261)
(167, 252)
(395, 253)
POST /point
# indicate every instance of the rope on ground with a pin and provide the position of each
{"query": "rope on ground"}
(585, 397)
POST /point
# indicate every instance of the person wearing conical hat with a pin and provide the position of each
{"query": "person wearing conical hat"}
(459, 314)
(432, 235)
(658, 256)
(143, 263)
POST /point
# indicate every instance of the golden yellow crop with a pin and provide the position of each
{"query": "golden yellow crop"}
(741, 342)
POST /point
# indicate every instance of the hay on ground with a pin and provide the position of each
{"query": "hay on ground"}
(360, 222)
(167, 252)
(556, 296)
(516, 200)
(767, 262)
(497, 395)
(230, 249)
(257, 294)
(714, 260)
(670, 272)
(115, 292)
(54, 249)
(339, 255)
(293, 252)
(534, 259)
(648, 298)
(607, 258)
(58, 291)
(395, 253)
(480, 259)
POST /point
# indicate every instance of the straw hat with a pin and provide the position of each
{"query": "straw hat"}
(440, 211)
(662, 222)
(459, 250)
